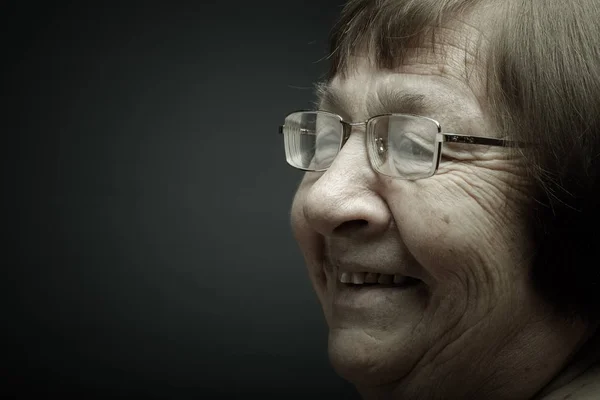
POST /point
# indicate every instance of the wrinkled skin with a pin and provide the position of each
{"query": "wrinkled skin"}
(473, 327)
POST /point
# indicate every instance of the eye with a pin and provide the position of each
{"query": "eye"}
(327, 145)
(413, 145)
(411, 153)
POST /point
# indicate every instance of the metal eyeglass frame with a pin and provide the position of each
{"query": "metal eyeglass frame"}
(439, 140)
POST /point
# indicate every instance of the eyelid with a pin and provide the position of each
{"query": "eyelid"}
(421, 143)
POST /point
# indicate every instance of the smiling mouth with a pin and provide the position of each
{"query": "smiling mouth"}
(364, 279)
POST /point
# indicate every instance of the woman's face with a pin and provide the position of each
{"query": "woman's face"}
(472, 322)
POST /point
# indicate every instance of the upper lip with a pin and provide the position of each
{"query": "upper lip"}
(394, 261)
(349, 264)
(368, 269)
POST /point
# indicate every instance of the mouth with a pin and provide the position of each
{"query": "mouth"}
(369, 292)
(371, 279)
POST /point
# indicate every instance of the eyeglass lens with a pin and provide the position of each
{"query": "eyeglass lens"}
(399, 145)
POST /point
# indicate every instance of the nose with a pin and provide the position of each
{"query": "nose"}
(343, 201)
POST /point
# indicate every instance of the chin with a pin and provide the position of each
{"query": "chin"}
(364, 360)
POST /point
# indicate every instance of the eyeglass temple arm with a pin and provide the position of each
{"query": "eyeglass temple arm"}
(467, 139)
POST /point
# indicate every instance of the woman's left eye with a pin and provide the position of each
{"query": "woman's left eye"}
(327, 145)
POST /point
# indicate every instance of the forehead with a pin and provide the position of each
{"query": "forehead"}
(368, 92)
(435, 78)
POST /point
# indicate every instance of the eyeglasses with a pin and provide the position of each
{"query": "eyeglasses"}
(402, 146)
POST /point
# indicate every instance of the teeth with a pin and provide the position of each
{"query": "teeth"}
(346, 277)
(371, 277)
(358, 278)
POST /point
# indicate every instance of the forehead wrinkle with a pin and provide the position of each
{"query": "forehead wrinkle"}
(459, 50)
(420, 87)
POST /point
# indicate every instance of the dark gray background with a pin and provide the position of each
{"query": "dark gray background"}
(147, 244)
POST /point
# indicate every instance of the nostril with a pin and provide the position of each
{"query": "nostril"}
(349, 227)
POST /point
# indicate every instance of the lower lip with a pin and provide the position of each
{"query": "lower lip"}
(369, 296)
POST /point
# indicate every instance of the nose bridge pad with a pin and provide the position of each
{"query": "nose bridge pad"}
(347, 129)
(347, 126)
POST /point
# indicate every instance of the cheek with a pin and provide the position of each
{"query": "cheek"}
(459, 245)
(300, 227)
(310, 242)
(311, 246)
(296, 215)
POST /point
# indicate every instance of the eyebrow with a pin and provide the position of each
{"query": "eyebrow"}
(387, 101)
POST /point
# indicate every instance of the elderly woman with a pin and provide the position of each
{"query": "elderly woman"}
(448, 211)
